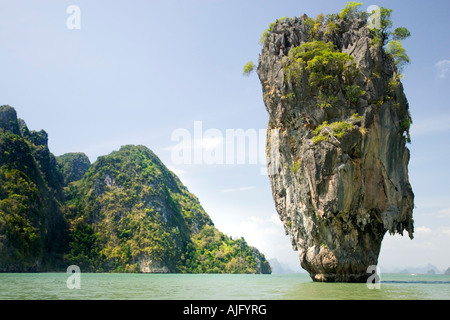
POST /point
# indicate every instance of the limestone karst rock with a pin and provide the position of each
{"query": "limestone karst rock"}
(32, 225)
(336, 148)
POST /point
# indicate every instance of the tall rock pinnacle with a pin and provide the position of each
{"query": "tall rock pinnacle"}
(337, 134)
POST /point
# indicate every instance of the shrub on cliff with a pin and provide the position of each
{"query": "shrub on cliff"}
(248, 68)
(391, 39)
(351, 10)
(325, 69)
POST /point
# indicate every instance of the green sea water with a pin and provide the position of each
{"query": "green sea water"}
(52, 286)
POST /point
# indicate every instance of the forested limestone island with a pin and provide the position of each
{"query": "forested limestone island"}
(337, 136)
(124, 213)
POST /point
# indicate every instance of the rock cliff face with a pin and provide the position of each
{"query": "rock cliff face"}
(124, 213)
(141, 218)
(32, 225)
(72, 166)
(337, 135)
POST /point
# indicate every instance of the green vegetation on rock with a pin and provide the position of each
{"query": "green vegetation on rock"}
(134, 212)
(72, 166)
(249, 67)
(213, 252)
(124, 213)
(268, 31)
(331, 87)
(335, 129)
(324, 70)
(391, 40)
(351, 10)
(32, 227)
(398, 53)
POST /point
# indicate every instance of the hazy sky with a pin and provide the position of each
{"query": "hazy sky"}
(139, 72)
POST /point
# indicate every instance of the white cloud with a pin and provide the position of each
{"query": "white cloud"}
(425, 126)
(444, 212)
(430, 245)
(443, 68)
(258, 231)
(178, 172)
(445, 231)
(275, 219)
(202, 143)
(237, 189)
(208, 143)
(423, 230)
(257, 220)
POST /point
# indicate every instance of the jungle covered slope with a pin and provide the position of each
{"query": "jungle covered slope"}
(125, 213)
(336, 139)
(33, 230)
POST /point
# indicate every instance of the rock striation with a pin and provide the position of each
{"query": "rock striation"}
(336, 143)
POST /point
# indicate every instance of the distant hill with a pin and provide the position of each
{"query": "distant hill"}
(124, 213)
(428, 269)
(280, 268)
(73, 166)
